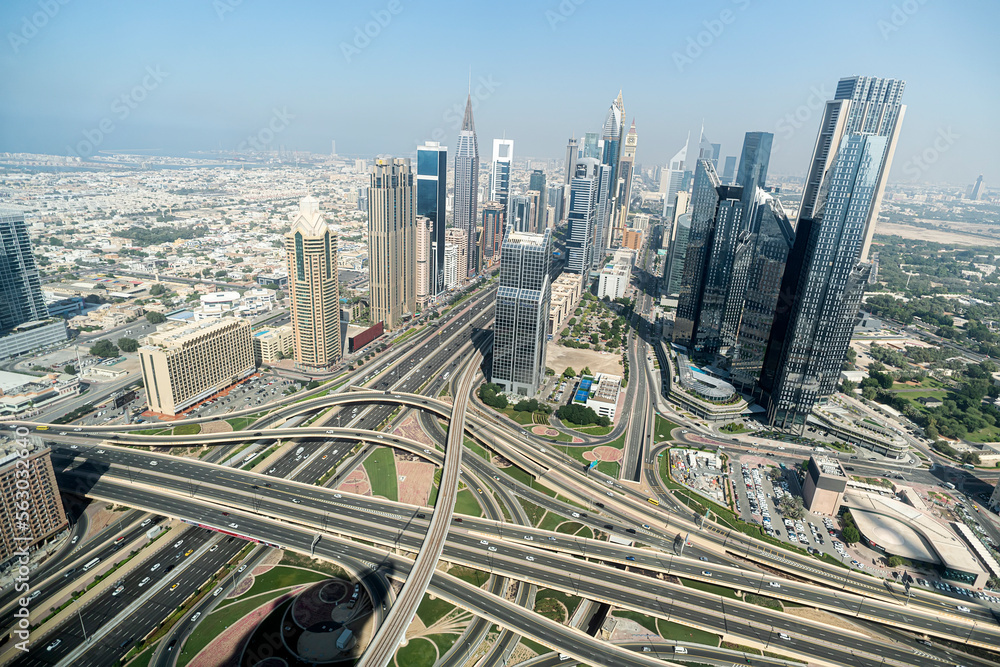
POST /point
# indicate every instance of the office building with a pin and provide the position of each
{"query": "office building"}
(270, 345)
(591, 146)
(613, 281)
(715, 227)
(625, 174)
(572, 153)
(520, 330)
(758, 267)
(494, 216)
(425, 250)
(467, 178)
(392, 241)
(311, 251)
(186, 362)
(456, 237)
(28, 482)
(729, 170)
(672, 180)
(977, 191)
(451, 274)
(536, 183)
(824, 486)
(837, 215)
(432, 198)
(521, 213)
(603, 215)
(21, 297)
(500, 169)
(582, 212)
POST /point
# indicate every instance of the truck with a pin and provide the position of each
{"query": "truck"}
(949, 485)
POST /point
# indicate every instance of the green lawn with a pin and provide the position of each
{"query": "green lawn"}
(467, 503)
(469, 575)
(574, 528)
(432, 497)
(215, 623)
(662, 428)
(544, 604)
(431, 611)
(522, 418)
(645, 621)
(187, 429)
(529, 481)
(472, 446)
(280, 577)
(610, 468)
(682, 633)
(534, 512)
(242, 423)
(710, 588)
(596, 430)
(444, 641)
(381, 468)
(142, 660)
(550, 521)
(418, 652)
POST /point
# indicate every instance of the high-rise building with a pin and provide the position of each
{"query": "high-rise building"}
(839, 208)
(523, 298)
(186, 362)
(425, 279)
(451, 275)
(977, 191)
(500, 169)
(28, 482)
(729, 171)
(572, 154)
(536, 183)
(611, 147)
(271, 344)
(20, 285)
(604, 215)
(311, 253)
(537, 222)
(591, 146)
(432, 197)
(521, 215)
(457, 237)
(467, 179)
(674, 270)
(392, 237)
(759, 266)
(672, 180)
(625, 169)
(715, 227)
(493, 228)
(582, 215)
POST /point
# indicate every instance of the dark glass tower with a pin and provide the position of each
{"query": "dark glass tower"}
(432, 194)
(20, 285)
(536, 182)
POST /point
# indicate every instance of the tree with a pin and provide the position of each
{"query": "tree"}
(898, 561)
(313, 384)
(971, 458)
(578, 414)
(792, 507)
(851, 534)
(569, 372)
(69, 369)
(206, 273)
(220, 274)
(526, 405)
(157, 290)
(104, 348)
(549, 371)
(586, 371)
(491, 394)
(848, 387)
(128, 344)
(154, 317)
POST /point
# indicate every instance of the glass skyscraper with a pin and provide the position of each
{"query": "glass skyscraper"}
(581, 216)
(523, 297)
(432, 194)
(840, 203)
(467, 183)
(20, 285)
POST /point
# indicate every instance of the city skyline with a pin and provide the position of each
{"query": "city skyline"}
(145, 94)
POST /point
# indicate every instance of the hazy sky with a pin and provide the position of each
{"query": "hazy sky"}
(181, 75)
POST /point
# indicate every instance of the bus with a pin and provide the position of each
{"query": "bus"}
(950, 485)
(92, 564)
(654, 501)
(968, 466)
(251, 457)
(43, 427)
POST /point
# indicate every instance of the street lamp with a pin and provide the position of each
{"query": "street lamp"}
(82, 626)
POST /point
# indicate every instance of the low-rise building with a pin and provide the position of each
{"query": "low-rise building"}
(184, 363)
(31, 336)
(269, 343)
(825, 483)
(613, 281)
(599, 393)
(566, 292)
(21, 393)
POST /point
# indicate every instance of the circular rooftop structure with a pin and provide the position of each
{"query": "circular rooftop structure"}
(219, 298)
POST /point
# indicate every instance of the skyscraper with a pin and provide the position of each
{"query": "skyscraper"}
(610, 147)
(467, 179)
(457, 238)
(729, 171)
(311, 251)
(625, 167)
(520, 214)
(536, 182)
(752, 173)
(522, 312)
(425, 279)
(602, 220)
(572, 153)
(500, 169)
(591, 147)
(392, 240)
(432, 196)
(976, 192)
(716, 212)
(581, 216)
(840, 204)
(20, 285)
(672, 179)
(674, 271)
(493, 228)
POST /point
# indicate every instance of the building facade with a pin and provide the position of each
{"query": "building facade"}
(21, 297)
(467, 179)
(500, 170)
(425, 260)
(626, 165)
(184, 363)
(520, 330)
(270, 345)
(494, 216)
(536, 183)
(582, 216)
(28, 481)
(456, 237)
(314, 291)
(432, 198)
(392, 242)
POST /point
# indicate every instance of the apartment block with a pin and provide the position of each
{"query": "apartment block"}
(184, 363)
(27, 521)
(566, 292)
(268, 342)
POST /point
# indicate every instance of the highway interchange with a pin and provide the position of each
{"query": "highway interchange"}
(292, 513)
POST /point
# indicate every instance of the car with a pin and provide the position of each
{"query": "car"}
(152, 463)
(706, 573)
(529, 538)
(703, 558)
(53, 645)
(78, 429)
(962, 609)
(117, 591)
(337, 495)
(629, 557)
(576, 515)
(421, 516)
(195, 616)
(225, 514)
(75, 539)
(271, 471)
(296, 501)
(646, 526)
(188, 552)
(71, 446)
(144, 582)
(215, 547)
(172, 644)
(774, 584)
(491, 548)
(178, 543)
(483, 542)
(784, 637)
(100, 451)
(168, 568)
(145, 523)
(531, 558)
(155, 568)
(234, 525)
(241, 568)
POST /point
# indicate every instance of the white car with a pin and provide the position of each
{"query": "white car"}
(483, 542)
(233, 525)
(962, 609)
(531, 558)
(152, 463)
(144, 582)
(241, 568)
(337, 495)
(100, 451)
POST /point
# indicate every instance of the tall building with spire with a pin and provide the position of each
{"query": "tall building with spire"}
(672, 179)
(467, 181)
(536, 183)
(392, 242)
(625, 173)
(610, 154)
(840, 204)
(311, 251)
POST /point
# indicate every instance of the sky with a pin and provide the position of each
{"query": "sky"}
(381, 76)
